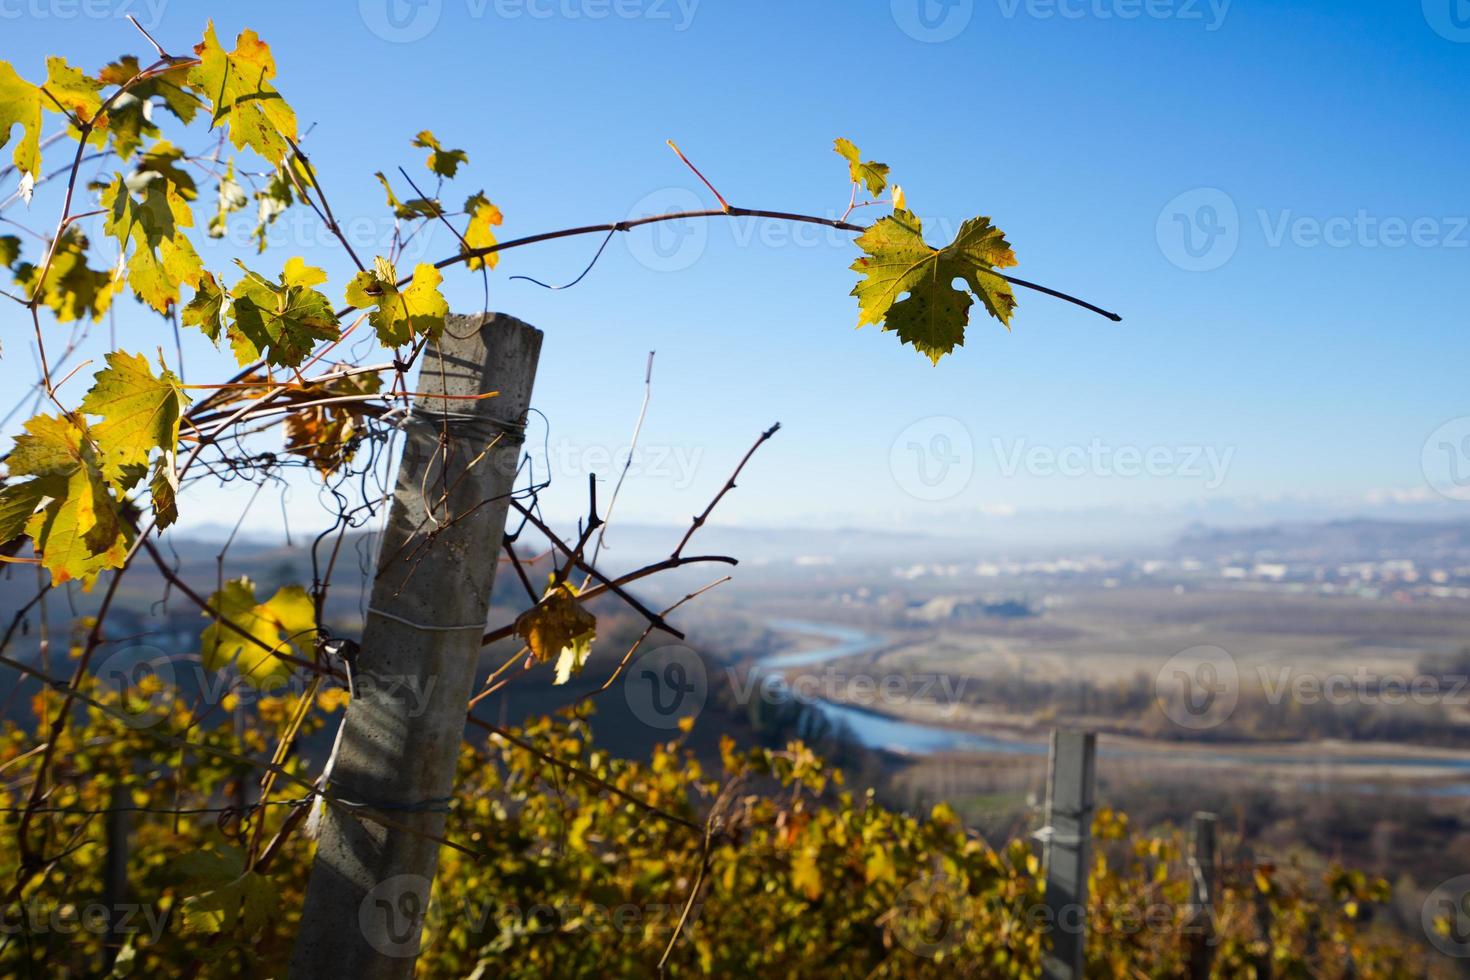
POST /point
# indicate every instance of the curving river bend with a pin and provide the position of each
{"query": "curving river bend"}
(877, 731)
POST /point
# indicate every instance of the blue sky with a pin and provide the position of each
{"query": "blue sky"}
(1312, 345)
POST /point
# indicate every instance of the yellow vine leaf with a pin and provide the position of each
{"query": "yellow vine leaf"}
(163, 259)
(72, 290)
(237, 84)
(483, 217)
(284, 623)
(558, 626)
(399, 316)
(66, 508)
(20, 104)
(72, 91)
(139, 412)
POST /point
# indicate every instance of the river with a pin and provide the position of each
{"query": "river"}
(882, 732)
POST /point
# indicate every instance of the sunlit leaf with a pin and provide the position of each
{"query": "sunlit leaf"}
(400, 315)
(285, 623)
(933, 313)
(441, 161)
(238, 85)
(280, 321)
(20, 104)
(139, 413)
(871, 174)
(483, 217)
(559, 627)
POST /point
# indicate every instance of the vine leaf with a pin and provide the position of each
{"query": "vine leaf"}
(483, 216)
(283, 623)
(130, 116)
(163, 258)
(874, 175)
(399, 316)
(443, 162)
(284, 188)
(140, 413)
(231, 198)
(237, 84)
(280, 321)
(327, 434)
(933, 313)
(20, 103)
(72, 90)
(66, 509)
(418, 207)
(72, 291)
(233, 899)
(558, 626)
(207, 309)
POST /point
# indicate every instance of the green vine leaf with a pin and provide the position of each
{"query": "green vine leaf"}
(418, 207)
(230, 198)
(130, 117)
(933, 313)
(872, 174)
(280, 321)
(207, 309)
(443, 162)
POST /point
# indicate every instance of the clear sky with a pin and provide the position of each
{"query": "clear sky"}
(1273, 194)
